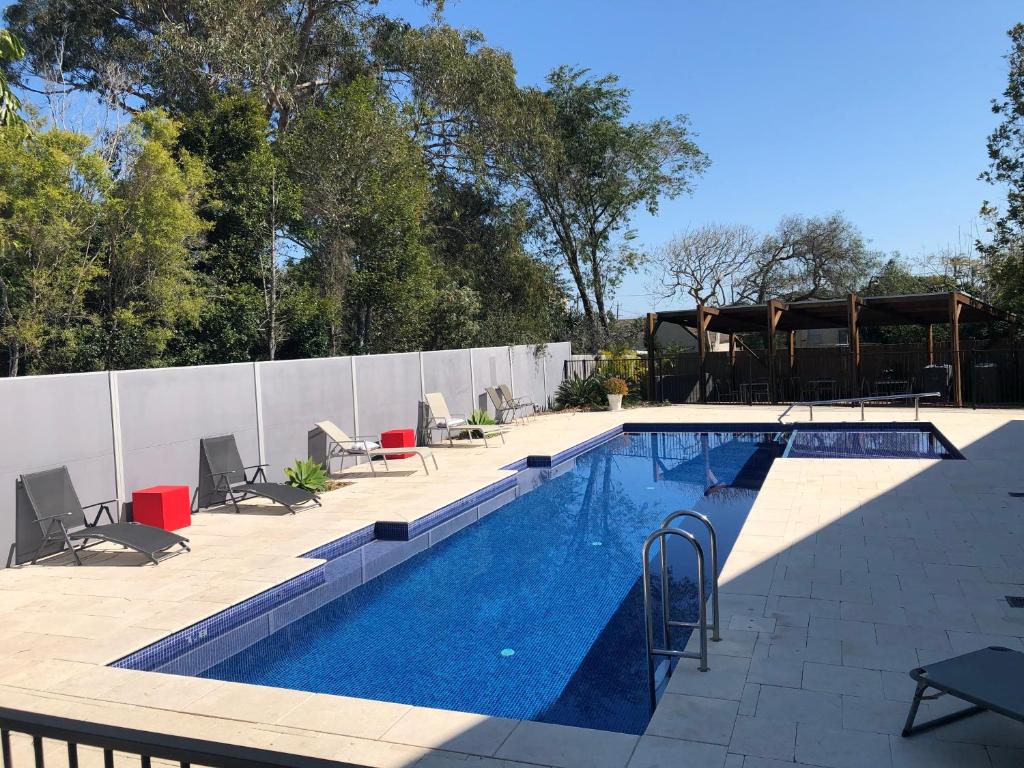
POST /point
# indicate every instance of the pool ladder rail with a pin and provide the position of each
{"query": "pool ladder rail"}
(661, 537)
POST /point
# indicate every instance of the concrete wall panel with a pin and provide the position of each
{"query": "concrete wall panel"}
(448, 372)
(295, 395)
(165, 412)
(490, 368)
(388, 392)
(528, 374)
(555, 365)
(46, 421)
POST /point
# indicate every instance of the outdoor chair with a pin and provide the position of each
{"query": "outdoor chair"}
(991, 679)
(441, 418)
(225, 476)
(503, 410)
(61, 516)
(517, 402)
(342, 446)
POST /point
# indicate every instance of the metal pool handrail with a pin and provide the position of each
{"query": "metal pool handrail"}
(667, 523)
(701, 625)
(861, 400)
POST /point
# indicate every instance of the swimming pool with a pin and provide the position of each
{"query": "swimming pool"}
(533, 613)
(522, 600)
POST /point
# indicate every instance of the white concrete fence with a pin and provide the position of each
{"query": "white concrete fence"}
(120, 431)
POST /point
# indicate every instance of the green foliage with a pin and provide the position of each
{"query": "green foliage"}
(581, 392)
(307, 474)
(616, 386)
(480, 416)
(587, 170)
(365, 193)
(1004, 250)
(11, 50)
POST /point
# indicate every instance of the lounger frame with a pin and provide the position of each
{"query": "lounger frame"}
(978, 703)
(55, 530)
(241, 491)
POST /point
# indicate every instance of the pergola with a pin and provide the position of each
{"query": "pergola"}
(852, 313)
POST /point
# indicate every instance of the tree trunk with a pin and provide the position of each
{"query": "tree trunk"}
(270, 277)
(13, 358)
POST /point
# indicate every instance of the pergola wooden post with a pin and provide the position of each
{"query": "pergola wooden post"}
(650, 327)
(732, 362)
(775, 309)
(954, 347)
(931, 344)
(704, 315)
(852, 311)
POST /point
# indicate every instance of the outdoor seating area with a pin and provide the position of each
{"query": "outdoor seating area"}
(965, 373)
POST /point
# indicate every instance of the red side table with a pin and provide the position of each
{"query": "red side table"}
(398, 438)
(162, 506)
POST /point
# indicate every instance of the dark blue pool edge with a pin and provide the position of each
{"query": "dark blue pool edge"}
(401, 540)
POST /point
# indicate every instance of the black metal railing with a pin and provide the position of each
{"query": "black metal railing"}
(115, 740)
(988, 376)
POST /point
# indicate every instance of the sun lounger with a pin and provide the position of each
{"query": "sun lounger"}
(991, 679)
(502, 410)
(342, 446)
(443, 419)
(225, 478)
(61, 516)
(517, 402)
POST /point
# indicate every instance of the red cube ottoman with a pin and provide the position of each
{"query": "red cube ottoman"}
(162, 506)
(398, 438)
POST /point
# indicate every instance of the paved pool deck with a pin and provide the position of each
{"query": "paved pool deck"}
(846, 574)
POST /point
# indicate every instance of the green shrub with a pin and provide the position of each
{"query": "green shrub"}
(581, 392)
(307, 474)
(480, 417)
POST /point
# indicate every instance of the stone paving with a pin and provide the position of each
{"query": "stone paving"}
(846, 574)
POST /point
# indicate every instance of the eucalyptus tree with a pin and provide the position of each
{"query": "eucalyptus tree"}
(1004, 249)
(585, 170)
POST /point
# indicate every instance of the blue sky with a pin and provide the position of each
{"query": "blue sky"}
(876, 109)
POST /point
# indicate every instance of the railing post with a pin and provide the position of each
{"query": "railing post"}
(917, 409)
(862, 410)
(810, 408)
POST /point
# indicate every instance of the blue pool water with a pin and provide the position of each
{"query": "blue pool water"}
(867, 444)
(535, 611)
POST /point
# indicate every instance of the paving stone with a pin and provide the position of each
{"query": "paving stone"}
(837, 748)
(927, 753)
(832, 678)
(659, 752)
(764, 737)
(875, 656)
(694, 718)
(557, 745)
(838, 629)
(799, 705)
(912, 637)
(724, 679)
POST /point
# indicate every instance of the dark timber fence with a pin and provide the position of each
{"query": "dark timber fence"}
(989, 376)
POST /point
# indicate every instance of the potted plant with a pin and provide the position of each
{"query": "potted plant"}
(615, 388)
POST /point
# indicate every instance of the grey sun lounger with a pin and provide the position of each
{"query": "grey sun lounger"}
(517, 402)
(991, 680)
(226, 478)
(61, 516)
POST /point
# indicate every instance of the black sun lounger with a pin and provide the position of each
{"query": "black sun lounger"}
(61, 516)
(227, 477)
(991, 679)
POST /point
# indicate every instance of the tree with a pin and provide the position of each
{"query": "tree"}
(807, 258)
(11, 50)
(149, 225)
(365, 194)
(1004, 251)
(477, 240)
(704, 262)
(585, 170)
(250, 202)
(49, 219)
